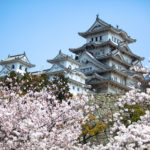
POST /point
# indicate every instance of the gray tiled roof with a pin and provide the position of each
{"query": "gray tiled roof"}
(22, 58)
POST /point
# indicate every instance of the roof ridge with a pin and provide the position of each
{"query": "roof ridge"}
(16, 55)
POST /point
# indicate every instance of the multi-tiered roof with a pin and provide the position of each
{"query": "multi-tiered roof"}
(108, 56)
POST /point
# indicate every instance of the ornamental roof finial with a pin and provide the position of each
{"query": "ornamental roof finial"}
(60, 51)
(97, 16)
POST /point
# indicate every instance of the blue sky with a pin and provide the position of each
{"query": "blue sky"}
(42, 27)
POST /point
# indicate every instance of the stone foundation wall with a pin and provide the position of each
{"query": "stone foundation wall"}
(107, 107)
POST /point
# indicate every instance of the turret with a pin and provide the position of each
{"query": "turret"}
(18, 63)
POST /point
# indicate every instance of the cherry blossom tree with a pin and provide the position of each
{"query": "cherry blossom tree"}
(37, 120)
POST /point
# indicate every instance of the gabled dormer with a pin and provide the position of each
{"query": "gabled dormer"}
(101, 31)
(64, 61)
(18, 63)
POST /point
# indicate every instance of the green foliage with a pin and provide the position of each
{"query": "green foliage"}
(103, 113)
(61, 88)
(91, 128)
(26, 82)
(35, 83)
(133, 113)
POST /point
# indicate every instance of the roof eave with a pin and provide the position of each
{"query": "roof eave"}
(113, 82)
(124, 34)
(13, 61)
(57, 60)
(78, 50)
(31, 66)
(82, 34)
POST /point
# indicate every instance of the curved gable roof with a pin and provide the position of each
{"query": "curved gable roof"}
(101, 26)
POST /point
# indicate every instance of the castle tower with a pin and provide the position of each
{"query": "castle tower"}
(64, 64)
(106, 58)
(18, 63)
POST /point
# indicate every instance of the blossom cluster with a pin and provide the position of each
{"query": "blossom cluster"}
(37, 120)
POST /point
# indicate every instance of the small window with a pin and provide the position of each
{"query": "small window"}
(13, 66)
(76, 57)
(92, 39)
(86, 61)
(20, 67)
(78, 89)
(26, 69)
(100, 38)
(73, 87)
(95, 38)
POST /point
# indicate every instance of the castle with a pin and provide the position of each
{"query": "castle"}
(103, 62)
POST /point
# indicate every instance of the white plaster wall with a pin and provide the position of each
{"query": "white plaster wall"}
(17, 67)
(128, 59)
(110, 35)
(88, 68)
(67, 64)
(118, 78)
(111, 63)
(101, 52)
(4, 72)
(75, 89)
(104, 37)
(75, 77)
(55, 68)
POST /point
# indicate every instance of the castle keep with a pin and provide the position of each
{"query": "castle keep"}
(103, 62)
(106, 58)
